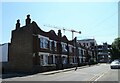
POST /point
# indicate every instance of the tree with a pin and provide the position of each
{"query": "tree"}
(116, 49)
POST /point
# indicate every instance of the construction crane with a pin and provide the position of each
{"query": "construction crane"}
(64, 29)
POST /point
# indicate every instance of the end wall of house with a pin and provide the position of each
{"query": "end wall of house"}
(21, 50)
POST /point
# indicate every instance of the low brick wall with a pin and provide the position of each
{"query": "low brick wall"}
(48, 68)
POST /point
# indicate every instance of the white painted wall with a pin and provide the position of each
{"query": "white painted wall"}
(4, 52)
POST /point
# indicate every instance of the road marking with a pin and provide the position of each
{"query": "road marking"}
(98, 76)
(102, 75)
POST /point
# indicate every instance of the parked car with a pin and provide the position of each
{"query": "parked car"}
(115, 64)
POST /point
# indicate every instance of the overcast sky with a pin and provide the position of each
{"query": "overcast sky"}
(98, 20)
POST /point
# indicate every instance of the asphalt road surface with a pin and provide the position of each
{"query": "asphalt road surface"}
(100, 72)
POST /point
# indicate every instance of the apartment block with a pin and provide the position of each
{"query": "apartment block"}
(104, 53)
(91, 46)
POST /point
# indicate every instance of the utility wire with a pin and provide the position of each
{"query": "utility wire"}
(103, 21)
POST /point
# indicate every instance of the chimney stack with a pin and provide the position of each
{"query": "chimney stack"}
(28, 20)
(59, 33)
(18, 24)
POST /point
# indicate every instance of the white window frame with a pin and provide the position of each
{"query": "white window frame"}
(45, 58)
(50, 44)
(70, 48)
(64, 61)
(43, 41)
(55, 45)
(53, 56)
(75, 59)
(39, 36)
(79, 50)
(83, 51)
(64, 45)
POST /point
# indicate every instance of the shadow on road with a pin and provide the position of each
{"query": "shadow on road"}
(11, 75)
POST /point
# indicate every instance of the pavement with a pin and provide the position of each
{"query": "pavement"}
(65, 70)
(10, 75)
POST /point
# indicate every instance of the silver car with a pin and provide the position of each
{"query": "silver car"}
(115, 64)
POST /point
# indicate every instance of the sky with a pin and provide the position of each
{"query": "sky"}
(98, 20)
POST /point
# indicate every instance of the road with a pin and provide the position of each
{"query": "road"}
(100, 72)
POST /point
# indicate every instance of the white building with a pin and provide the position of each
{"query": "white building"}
(91, 45)
(104, 52)
(4, 52)
(87, 42)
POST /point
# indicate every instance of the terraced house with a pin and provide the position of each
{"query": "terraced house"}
(34, 50)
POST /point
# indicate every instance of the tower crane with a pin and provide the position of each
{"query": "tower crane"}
(64, 29)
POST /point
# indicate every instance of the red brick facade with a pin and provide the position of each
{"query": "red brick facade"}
(34, 50)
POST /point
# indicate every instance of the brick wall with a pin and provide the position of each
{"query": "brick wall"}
(21, 49)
